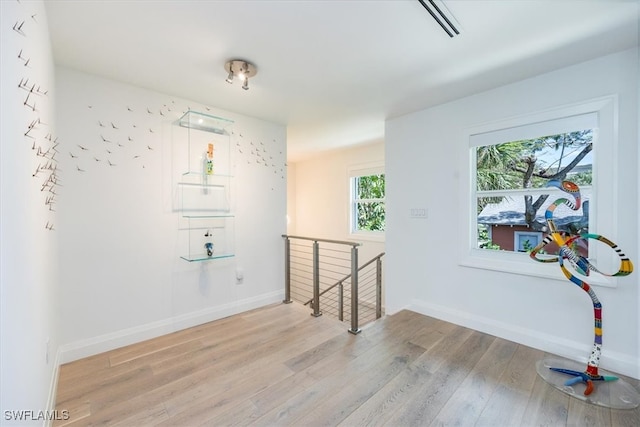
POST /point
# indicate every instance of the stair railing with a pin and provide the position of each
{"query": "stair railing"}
(340, 284)
(305, 260)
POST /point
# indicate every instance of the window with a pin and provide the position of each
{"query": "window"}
(524, 242)
(512, 192)
(510, 164)
(367, 202)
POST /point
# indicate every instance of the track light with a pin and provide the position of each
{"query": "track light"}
(241, 69)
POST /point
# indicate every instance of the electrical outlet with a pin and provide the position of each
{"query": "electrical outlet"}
(418, 213)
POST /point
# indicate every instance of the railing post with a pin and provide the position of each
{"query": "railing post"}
(316, 280)
(340, 302)
(378, 288)
(354, 291)
(287, 271)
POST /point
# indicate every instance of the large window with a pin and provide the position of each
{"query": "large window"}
(511, 163)
(367, 203)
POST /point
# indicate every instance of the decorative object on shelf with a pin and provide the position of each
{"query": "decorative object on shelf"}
(209, 247)
(209, 162)
(241, 69)
(618, 394)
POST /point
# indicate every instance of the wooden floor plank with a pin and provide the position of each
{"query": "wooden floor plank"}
(469, 400)
(246, 377)
(344, 401)
(381, 407)
(423, 408)
(547, 406)
(280, 366)
(511, 397)
(626, 417)
(585, 415)
(323, 389)
(439, 355)
(249, 410)
(195, 379)
(150, 416)
(220, 396)
(94, 379)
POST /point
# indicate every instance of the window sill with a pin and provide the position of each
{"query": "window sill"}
(371, 237)
(521, 264)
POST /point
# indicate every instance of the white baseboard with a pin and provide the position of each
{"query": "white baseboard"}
(89, 347)
(610, 361)
(53, 387)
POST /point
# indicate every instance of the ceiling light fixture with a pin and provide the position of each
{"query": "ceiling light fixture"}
(241, 69)
(437, 13)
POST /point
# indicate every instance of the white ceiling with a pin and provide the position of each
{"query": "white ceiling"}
(332, 70)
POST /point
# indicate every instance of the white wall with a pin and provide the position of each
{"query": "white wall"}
(426, 154)
(322, 195)
(638, 163)
(122, 278)
(291, 198)
(28, 250)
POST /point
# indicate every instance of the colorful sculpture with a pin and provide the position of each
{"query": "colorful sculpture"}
(565, 242)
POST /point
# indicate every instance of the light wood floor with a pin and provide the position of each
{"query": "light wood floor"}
(280, 366)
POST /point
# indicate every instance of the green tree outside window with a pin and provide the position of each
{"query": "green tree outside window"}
(368, 203)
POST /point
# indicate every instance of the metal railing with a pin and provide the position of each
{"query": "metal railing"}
(324, 273)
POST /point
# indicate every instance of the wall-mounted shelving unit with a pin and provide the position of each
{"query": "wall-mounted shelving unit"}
(205, 188)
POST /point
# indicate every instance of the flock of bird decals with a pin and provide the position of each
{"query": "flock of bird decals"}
(258, 154)
(43, 145)
(118, 141)
(134, 135)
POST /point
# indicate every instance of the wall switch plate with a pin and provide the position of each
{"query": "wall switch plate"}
(418, 213)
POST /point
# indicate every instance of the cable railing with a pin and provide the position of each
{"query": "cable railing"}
(324, 274)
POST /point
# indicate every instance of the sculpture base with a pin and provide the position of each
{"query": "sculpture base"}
(617, 394)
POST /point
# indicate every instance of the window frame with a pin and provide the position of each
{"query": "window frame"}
(355, 172)
(604, 191)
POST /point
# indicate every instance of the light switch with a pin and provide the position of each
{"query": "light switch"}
(418, 213)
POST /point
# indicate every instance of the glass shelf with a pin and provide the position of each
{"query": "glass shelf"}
(204, 191)
(205, 122)
(197, 176)
(205, 257)
(200, 233)
(208, 215)
(204, 199)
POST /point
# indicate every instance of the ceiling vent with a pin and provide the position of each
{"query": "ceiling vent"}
(442, 19)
